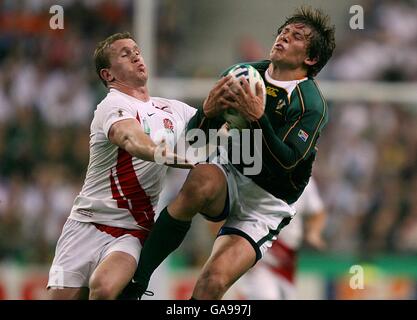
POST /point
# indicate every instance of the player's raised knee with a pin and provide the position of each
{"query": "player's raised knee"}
(204, 181)
(101, 289)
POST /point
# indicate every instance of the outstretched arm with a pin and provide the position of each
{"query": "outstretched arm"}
(314, 225)
(129, 136)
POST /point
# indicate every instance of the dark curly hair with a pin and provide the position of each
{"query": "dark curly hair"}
(321, 41)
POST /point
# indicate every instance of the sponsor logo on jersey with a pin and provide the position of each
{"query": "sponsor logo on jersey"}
(273, 92)
(150, 114)
(164, 108)
(303, 135)
(120, 112)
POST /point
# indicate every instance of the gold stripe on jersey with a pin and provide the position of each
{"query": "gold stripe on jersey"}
(321, 120)
(201, 122)
(302, 112)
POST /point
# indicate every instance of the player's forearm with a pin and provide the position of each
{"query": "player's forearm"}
(142, 148)
(314, 227)
(315, 223)
(284, 156)
(129, 136)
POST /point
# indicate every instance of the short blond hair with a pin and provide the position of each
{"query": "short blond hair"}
(102, 55)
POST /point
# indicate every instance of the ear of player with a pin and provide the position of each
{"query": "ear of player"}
(234, 118)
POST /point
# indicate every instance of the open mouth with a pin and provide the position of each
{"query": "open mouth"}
(279, 47)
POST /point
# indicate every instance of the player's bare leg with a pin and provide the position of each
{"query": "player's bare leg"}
(205, 190)
(231, 257)
(55, 293)
(112, 275)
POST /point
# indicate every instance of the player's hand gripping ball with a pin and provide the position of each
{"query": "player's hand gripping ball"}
(233, 117)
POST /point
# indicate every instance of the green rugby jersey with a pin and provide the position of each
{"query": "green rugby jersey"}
(295, 114)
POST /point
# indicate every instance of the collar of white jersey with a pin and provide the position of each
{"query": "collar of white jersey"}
(131, 97)
(287, 85)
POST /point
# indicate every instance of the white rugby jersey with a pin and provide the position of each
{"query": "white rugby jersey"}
(281, 257)
(120, 190)
(309, 203)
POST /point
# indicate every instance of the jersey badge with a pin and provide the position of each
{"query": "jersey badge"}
(303, 135)
(168, 125)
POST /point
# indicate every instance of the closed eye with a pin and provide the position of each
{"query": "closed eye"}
(298, 36)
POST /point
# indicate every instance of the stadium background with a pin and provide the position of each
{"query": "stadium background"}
(366, 169)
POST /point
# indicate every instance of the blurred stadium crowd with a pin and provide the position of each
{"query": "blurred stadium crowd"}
(367, 165)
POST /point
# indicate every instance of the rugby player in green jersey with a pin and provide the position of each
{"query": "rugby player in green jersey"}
(255, 207)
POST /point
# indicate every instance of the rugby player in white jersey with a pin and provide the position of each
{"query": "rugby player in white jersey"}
(274, 277)
(98, 250)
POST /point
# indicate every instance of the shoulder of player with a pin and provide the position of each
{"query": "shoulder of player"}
(307, 94)
(175, 104)
(113, 99)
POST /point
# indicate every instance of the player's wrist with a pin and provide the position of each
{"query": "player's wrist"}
(209, 110)
(207, 113)
(257, 115)
(259, 118)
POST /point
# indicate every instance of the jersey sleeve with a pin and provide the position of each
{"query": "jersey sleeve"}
(187, 112)
(112, 111)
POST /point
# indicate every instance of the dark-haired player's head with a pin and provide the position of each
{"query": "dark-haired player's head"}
(306, 39)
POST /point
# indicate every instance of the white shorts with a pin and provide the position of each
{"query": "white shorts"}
(80, 249)
(252, 212)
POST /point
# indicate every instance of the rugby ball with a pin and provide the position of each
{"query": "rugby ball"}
(233, 118)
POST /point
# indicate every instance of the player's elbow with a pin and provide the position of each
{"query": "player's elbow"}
(288, 165)
(118, 134)
(122, 139)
